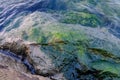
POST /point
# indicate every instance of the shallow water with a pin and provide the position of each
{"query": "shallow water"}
(20, 16)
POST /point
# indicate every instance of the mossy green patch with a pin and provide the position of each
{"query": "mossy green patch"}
(35, 34)
(83, 18)
(62, 39)
(67, 38)
(60, 36)
(106, 66)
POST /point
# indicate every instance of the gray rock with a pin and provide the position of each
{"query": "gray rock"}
(30, 55)
(41, 61)
(12, 63)
(7, 73)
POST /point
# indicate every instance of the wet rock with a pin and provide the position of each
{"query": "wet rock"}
(19, 48)
(40, 61)
(58, 77)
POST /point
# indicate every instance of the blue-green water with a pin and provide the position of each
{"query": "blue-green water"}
(86, 32)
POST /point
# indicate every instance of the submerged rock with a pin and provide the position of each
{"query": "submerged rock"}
(71, 50)
(41, 61)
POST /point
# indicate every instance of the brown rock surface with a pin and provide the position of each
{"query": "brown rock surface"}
(7, 73)
(12, 63)
(41, 63)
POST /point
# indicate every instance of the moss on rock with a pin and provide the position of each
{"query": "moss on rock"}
(83, 18)
(106, 66)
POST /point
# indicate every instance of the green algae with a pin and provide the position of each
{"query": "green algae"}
(106, 66)
(83, 18)
(35, 34)
(60, 37)
(62, 40)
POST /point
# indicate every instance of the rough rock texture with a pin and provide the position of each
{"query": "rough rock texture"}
(41, 61)
(11, 68)
(15, 55)
(7, 73)
(12, 63)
